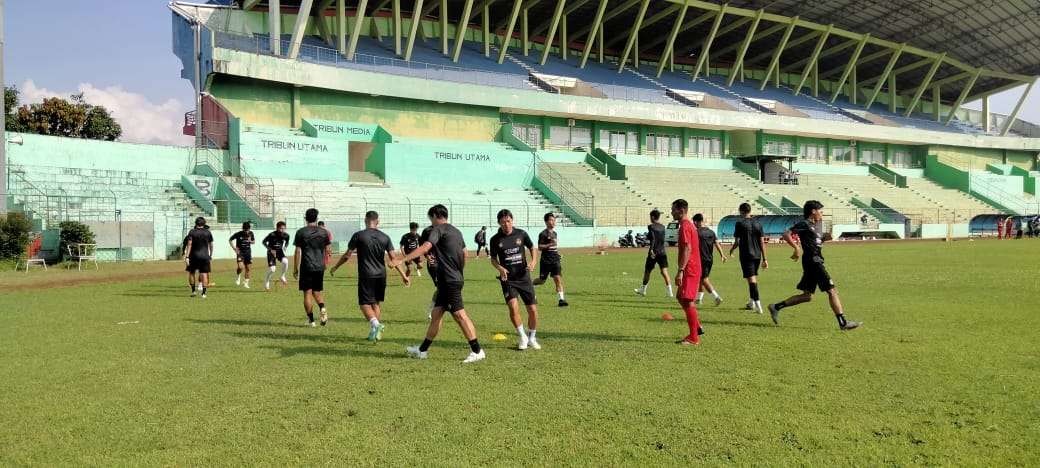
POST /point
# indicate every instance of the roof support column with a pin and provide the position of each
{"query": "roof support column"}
(553, 26)
(397, 26)
(774, 64)
(486, 28)
(1018, 108)
(633, 34)
(341, 26)
(881, 79)
(937, 102)
(274, 26)
(738, 65)
(301, 25)
(596, 25)
(444, 26)
(985, 114)
(853, 91)
(525, 43)
(812, 60)
(509, 29)
(460, 32)
(599, 42)
(359, 21)
(416, 19)
(702, 61)
(967, 89)
(850, 68)
(563, 38)
(669, 45)
(924, 84)
(893, 96)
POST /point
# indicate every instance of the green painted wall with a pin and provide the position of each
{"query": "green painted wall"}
(39, 150)
(254, 101)
(482, 166)
(974, 159)
(744, 142)
(293, 157)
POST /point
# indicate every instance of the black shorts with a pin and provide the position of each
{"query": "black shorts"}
(246, 258)
(273, 259)
(371, 290)
(750, 266)
(660, 261)
(815, 276)
(522, 290)
(547, 269)
(705, 269)
(449, 297)
(196, 265)
(312, 280)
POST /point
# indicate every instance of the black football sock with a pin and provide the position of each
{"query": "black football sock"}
(841, 320)
(474, 345)
(204, 290)
(321, 306)
(310, 317)
(780, 305)
(425, 346)
(753, 290)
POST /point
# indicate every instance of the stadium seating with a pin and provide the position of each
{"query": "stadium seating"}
(924, 201)
(715, 193)
(616, 203)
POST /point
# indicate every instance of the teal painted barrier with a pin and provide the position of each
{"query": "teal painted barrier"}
(1028, 179)
(888, 175)
(273, 156)
(505, 135)
(345, 131)
(201, 190)
(750, 169)
(596, 164)
(614, 169)
(478, 166)
(772, 207)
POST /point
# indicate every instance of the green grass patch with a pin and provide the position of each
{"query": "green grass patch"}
(133, 371)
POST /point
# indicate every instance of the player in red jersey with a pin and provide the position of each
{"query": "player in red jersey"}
(688, 278)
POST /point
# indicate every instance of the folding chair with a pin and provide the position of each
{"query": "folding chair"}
(32, 249)
(80, 253)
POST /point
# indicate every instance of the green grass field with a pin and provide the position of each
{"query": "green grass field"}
(134, 372)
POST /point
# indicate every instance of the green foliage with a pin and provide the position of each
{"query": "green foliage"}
(74, 232)
(14, 235)
(55, 116)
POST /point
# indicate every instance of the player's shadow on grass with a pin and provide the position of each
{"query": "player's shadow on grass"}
(600, 337)
(288, 352)
(322, 338)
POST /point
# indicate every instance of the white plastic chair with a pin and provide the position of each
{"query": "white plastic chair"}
(80, 253)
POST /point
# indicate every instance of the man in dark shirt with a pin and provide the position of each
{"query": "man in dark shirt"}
(749, 238)
(410, 242)
(197, 256)
(657, 255)
(431, 268)
(709, 243)
(242, 243)
(814, 273)
(447, 244)
(551, 263)
(481, 240)
(371, 245)
(312, 245)
(276, 242)
(509, 257)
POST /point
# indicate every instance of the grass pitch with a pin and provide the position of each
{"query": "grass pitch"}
(134, 372)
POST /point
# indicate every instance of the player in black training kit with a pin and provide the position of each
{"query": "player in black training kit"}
(514, 273)
(551, 263)
(448, 246)
(198, 253)
(431, 268)
(657, 255)
(371, 245)
(276, 242)
(709, 243)
(242, 243)
(312, 246)
(481, 240)
(749, 238)
(410, 242)
(814, 273)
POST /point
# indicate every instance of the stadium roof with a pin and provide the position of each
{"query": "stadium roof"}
(933, 43)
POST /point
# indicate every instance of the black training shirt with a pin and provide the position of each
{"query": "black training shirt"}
(480, 238)
(450, 250)
(748, 232)
(431, 258)
(655, 232)
(312, 241)
(550, 254)
(277, 241)
(200, 241)
(508, 250)
(371, 245)
(811, 240)
(409, 242)
(243, 241)
(707, 238)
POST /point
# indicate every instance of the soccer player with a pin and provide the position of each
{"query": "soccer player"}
(688, 278)
(371, 245)
(242, 243)
(410, 242)
(748, 237)
(481, 240)
(198, 254)
(328, 257)
(656, 255)
(550, 264)
(514, 273)
(814, 273)
(276, 242)
(448, 246)
(431, 268)
(709, 242)
(312, 245)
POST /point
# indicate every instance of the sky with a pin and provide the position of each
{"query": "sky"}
(118, 53)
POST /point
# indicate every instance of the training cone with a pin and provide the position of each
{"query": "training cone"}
(499, 337)
(667, 317)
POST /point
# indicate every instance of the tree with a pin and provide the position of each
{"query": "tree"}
(55, 116)
(11, 122)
